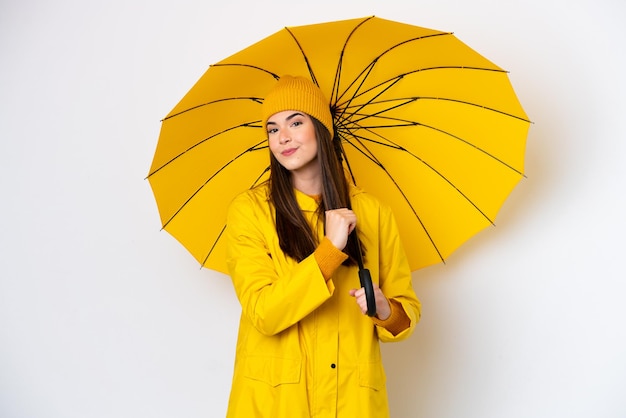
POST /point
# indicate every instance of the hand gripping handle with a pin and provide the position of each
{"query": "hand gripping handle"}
(366, 283)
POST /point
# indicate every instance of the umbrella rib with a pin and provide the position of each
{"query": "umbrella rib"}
(197, 144)
(213, 246)
(372, 158)
(255, 147)
(255, 67)
(219, 236)
(399, 77)
(337, 80)
(254, 99)
(306, 59)
(408, 100)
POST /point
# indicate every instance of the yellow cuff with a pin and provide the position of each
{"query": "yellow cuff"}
(398, 320)
(328, 258)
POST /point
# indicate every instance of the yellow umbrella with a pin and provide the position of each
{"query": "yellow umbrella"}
(427, 124)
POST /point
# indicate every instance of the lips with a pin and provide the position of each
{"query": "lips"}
(289, 152)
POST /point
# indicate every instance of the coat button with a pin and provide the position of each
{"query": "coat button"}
(332, 366)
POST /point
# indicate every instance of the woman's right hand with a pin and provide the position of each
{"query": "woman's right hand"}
(339, 224)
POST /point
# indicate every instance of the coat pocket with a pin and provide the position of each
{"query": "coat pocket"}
(274, 371)
(372, 375)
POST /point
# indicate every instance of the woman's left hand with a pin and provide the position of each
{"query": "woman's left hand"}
(383, 310)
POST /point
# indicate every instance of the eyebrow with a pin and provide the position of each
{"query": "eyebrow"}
(288, 117)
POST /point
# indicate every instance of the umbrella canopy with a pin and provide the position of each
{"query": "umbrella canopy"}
(428, 125)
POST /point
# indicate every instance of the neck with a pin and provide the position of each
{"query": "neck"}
(308, 185)
(308, 179)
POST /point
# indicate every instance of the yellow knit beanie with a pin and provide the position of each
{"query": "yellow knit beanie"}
(297, 93)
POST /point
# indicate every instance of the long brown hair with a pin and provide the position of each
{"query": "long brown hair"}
(296, 237)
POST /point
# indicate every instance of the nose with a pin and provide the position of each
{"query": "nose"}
(284, 137)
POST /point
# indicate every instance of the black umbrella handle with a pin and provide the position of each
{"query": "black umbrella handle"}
(366, 283)
(366, 279)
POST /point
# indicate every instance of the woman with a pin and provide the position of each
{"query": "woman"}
(305, 346)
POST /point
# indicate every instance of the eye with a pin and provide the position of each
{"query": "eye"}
(271, 130)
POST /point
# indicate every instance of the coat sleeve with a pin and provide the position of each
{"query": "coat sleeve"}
(395, 275)
(272, 301)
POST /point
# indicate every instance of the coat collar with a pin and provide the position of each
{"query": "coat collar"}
(309, 204)
(306, 202)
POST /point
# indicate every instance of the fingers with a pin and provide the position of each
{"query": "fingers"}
(383, 310)
(339, 224)
(359, 297)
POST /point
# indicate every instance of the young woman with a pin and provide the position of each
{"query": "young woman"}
(305, 346)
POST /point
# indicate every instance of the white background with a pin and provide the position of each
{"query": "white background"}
(104, 315)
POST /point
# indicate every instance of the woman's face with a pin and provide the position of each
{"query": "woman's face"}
(292, 141)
